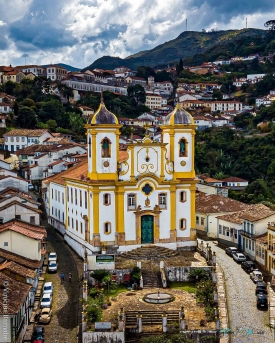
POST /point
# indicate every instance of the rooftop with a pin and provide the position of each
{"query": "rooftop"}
(26, 132)
(23, 261)
(16, 268)
(217, 204)
(17, 292)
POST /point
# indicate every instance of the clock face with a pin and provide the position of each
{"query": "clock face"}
(106, 164)
(183, 163)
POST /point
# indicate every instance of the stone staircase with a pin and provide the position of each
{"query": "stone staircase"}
(150, 319)
(149, 252)
(151, 279)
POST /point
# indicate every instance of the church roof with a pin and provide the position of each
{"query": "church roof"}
(102, 115)
(179, 116)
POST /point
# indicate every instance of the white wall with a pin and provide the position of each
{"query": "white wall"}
(16, 209)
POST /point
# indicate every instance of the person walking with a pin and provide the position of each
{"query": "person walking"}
(70, 277)
(62, 277)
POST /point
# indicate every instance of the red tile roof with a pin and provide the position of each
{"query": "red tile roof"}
(217, 203)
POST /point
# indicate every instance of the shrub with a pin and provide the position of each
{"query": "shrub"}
(135, 274)
(99, 274)
(93, 312)
(94, 292)
(198, 274)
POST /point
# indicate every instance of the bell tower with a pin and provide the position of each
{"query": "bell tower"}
(103, 144)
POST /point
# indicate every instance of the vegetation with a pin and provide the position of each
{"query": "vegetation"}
(205, 294)
(195, 48)
(176, 338)
(198, 274)
(189, 287)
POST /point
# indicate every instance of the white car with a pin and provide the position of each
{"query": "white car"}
(45, 315)
(46, 301)
(256, 276)
(48, 288)
(239, 257)
(52, 256)
(52, 266)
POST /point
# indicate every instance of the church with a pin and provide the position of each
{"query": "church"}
(120, 200)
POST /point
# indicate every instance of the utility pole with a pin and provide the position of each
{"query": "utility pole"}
(186, 24)
(246, 22)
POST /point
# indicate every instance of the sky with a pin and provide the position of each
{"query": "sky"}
(78, 32)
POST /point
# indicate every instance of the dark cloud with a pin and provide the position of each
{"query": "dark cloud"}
(41, 26)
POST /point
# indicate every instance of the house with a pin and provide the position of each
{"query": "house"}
(254, 225)
(36, 160)
(270, 258)
(212, 189)
(36, 70)
(16, 309)
(202, 122)
(5, 108)
(86, 111)
(153, 100)
(15, 182)
(234, 183)
(213, 182)
(222, 106)
(19, 272)
(148, 191)
(134, 80)
(14, 76)
(23, 239)
(208, 208)
(261, 250)
(55, 72)
(21, 138)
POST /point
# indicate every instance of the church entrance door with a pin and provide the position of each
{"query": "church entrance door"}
(147, 229)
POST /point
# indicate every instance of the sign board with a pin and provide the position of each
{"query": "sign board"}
(103, 325)
(101, 261)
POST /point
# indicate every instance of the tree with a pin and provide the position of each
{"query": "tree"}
(26, 118)
(53, 109)
(28, 102)
(76, 123)
(137, 94)
(9, 87)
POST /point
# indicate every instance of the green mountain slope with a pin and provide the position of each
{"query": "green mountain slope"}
(186, 45)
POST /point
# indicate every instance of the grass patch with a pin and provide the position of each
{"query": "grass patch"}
(114, 292)
(189, 287)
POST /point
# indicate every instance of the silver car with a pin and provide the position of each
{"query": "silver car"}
(238, 257)
(46, 301)
(48, 288)
(52, 256)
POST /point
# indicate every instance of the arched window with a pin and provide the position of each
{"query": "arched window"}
(182, 196)
(105, 148)
(183, 147)
(107, 228)
(162, 200)
(106, 199)
(182, 224)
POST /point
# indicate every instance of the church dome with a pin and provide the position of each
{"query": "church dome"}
(179, 116)
(102, 116)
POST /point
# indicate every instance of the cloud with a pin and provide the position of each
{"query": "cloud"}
(79, 31)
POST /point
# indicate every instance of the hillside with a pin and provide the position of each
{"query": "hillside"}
(186, 45)
(66, 66)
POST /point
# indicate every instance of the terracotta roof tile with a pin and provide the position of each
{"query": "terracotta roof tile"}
(26, 132)
(23, 261)
(233, 179)
(217, 203)
(17, 203)
(16, 291)
(18, 269)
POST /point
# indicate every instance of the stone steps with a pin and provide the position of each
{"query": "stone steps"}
(151, 279)
(150, 318)
(149, 253)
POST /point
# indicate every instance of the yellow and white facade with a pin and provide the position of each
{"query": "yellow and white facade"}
(125, 199)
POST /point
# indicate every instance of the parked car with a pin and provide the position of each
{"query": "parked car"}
(230, 251)
(239, 257)
(38, 334)
(30, 187)
(261, 288)
(262, 300)
(46, 301)
(48, 288)
(248, 266)
(45, 315)
(52, 266)
(52, 256)
(256, 276)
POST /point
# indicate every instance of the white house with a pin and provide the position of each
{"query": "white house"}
(202, 122)
(15, 182)
(23, 239)
(37, 70)
(226, 106)
(234, 182)
(209, 207)
(22, 138)
(55, 72)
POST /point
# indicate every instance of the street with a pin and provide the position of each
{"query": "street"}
(248, 324)
(64, 324)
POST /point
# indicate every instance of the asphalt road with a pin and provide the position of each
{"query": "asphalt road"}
(248, 324)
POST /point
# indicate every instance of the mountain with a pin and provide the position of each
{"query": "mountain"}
(186, 45)
(66, 66)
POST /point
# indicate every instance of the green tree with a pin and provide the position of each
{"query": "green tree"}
(137, 94)
(53, 109)
(52, 125)
(28, 102)
(26, 118)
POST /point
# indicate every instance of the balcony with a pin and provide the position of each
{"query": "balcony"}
(248, 234)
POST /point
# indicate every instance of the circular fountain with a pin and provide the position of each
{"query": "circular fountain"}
(158, 298)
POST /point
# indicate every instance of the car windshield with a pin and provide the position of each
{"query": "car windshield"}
(52, 265)
(46, 299)
(47, 288)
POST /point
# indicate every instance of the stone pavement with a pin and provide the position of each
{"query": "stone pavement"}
(133, 300)
(64, 324)
(248, 324)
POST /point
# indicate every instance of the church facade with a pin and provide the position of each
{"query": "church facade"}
(125, 199)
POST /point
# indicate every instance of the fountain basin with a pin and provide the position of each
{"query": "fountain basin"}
(158, 298)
